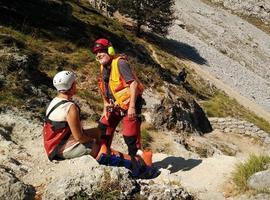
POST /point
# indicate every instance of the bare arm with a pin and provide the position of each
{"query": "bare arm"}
(106, 106)
(133, 96)
(74, 123)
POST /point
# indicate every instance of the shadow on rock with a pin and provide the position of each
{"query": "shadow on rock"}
(176, 48)
(174, 164)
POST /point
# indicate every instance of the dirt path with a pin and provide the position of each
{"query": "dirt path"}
(207, 178)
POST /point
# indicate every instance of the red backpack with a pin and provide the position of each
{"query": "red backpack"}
(55, 134)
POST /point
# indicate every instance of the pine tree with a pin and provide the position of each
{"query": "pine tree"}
(154, 14)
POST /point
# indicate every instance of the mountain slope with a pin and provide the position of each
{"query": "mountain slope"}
(41, 37)
(237, 52)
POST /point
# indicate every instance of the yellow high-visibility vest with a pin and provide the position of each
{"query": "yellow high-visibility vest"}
(119, 88)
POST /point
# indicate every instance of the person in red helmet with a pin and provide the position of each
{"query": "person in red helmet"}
(122, 97)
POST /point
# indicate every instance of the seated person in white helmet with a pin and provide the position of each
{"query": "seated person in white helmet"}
(64, 137)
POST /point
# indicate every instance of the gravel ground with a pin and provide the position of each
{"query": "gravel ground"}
(255, 8)
(236, 52)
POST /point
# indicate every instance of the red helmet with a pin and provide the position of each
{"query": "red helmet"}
(101, 44)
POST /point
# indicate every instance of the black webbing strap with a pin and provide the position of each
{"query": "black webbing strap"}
(59, 124)
(133, 163)
(55, 106)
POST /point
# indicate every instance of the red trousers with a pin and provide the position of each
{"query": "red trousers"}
(130, 126)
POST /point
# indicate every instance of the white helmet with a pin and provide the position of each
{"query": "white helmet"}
(63, 80)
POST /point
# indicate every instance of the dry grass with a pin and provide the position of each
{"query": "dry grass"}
(245, 170)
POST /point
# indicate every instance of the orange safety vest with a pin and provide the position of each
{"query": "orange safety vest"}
(119, 88)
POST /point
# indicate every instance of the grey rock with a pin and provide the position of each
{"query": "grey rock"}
(241, 127)
(98, 182)
(227, 130)
(180, 115)
(19, 123)
(254, 197)
(160, 192)
(266, 140)
(221, 120)
(263, 134)
(259, 9)
(12, 188)
(260, 180)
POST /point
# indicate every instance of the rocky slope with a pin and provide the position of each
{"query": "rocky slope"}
(27, 173)
(235, 51)
(259, 9)
(195, 155)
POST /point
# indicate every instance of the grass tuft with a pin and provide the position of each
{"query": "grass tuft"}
(108, 189)
(146, 139)
(245, 170)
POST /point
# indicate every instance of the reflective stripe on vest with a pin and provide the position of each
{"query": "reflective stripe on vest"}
(119, 88)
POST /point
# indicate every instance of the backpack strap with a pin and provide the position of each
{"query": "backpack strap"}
(59, 124)
(55, 106)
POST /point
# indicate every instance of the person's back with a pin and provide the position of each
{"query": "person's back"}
(59, 114)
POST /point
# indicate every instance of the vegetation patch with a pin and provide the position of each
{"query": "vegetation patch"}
(220, 105)
(245, 170)
(108, 189)
(146, 139)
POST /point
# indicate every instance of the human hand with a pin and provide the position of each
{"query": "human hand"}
(131, 112)
(109, 106)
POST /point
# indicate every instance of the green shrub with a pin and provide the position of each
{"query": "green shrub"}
(146, 139)
(244, 170)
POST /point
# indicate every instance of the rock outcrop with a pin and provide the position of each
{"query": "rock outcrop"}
(96, 183)
(228, 125)
(12, 188)
(180, 115)
(102, 182)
